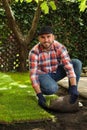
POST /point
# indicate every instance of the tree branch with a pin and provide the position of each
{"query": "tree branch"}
(12, 22)
(35, 21)
(14, 27)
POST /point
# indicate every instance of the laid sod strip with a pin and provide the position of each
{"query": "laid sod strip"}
(18, 101)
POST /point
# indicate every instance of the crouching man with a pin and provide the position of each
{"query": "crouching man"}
(50, 62)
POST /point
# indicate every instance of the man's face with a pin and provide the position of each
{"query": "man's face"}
(46, 40)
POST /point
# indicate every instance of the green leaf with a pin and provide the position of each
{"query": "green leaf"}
(36, 1)
(0, 42)
(41, 0)
(83, 5)
(28, 1)
(52, 4)
(44, 7)
(21, 1)
(16, 0)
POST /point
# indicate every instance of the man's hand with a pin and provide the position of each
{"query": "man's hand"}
(73, 94)
(41, 100)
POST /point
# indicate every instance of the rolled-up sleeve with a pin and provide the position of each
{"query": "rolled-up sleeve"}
(65, 58)
(33, 67)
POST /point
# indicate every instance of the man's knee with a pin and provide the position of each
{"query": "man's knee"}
(77, 62)
(52, 89)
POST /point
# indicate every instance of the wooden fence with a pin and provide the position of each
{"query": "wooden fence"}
(9, 57)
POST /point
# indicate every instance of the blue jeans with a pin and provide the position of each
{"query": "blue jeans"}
(48, 82)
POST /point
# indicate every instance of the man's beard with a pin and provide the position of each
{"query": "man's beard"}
(45, 47)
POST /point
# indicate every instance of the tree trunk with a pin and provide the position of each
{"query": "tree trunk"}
(23, 56)
(23, 41)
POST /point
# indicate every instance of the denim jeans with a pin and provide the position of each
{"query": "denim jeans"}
(48, 82)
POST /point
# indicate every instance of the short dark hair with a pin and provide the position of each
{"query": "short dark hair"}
(45, 30)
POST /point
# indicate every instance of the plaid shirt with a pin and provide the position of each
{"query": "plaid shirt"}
(42, 62)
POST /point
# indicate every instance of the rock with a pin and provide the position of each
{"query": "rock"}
(84, 69)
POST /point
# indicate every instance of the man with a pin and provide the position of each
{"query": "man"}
(49, 62)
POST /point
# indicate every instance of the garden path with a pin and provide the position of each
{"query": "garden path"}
(82, 86)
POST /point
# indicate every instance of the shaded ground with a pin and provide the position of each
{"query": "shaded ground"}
(64, 121)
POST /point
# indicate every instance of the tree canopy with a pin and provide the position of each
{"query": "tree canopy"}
(46, 4)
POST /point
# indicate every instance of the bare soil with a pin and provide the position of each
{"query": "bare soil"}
(64, 121)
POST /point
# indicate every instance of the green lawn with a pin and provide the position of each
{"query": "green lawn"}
(17, 99)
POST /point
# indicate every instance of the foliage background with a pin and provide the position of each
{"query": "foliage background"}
(69, 25)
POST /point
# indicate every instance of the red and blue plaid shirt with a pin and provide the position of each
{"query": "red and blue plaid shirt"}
(42, 62)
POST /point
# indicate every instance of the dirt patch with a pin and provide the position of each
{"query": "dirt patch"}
(64, 121)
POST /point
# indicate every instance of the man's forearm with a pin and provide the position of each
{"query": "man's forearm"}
(37, 89)
(72, 81)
